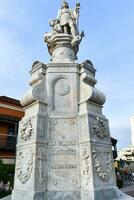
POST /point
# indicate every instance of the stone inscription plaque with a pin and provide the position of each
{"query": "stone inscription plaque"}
(63, 155)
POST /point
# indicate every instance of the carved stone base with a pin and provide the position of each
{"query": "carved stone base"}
(62, 51)
(64, 146)
(105, 194)
(24, 195)
(64, 195)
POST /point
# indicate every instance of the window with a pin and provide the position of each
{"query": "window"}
(11, 137)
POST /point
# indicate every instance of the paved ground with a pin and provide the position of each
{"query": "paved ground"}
(128, 190)
(6, 198)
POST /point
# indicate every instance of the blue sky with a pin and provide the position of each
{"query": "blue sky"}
(108, 43)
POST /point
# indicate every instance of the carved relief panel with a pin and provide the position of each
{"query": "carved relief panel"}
(62, 96)
(41, 167)
(63, 154)
(99, 129)
(103, 165)
(85, 158)
(26, 130)
(24, 165)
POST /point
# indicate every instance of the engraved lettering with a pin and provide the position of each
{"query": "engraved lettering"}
(68, 151)
(64, 166)
(67, 143)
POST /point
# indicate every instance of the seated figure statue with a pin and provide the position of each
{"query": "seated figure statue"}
(56, 28)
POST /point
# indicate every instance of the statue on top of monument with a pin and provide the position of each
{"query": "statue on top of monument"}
(66, 24)
(68, 19)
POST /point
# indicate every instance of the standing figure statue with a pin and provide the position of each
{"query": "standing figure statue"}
(68, 19)
(65, 24)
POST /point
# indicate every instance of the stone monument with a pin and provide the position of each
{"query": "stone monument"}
(64, 146)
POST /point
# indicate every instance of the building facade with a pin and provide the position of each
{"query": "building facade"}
(127, 154)
(11, 113)
(132, 129)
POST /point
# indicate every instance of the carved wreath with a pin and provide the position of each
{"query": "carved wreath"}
(24, 166)
(26, 129)
(99, 128)
(104, 175)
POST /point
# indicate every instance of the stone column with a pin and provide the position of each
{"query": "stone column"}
(31, 168)
(96, 159)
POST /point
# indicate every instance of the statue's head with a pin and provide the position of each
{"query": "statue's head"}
(65, 5)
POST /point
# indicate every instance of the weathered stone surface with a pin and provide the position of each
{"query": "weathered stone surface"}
(64, 147)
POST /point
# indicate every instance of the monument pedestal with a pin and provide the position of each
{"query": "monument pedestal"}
(64, 145)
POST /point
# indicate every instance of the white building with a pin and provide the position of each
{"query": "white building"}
(128, 153)
(132, 129)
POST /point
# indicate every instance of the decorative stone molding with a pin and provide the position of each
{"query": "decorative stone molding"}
(62, 87)
(26, 129)
(99, 128)
(89, 93)
(28, 98)
(34, 94)
(85, 164)
(36, 79)
(104, 175)
(53, 122)
(38, 85)
(88, 73)
(74, 181)
(96, 96)
(88, 82)
(24, 165)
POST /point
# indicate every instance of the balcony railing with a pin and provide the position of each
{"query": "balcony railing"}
(8, 141)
